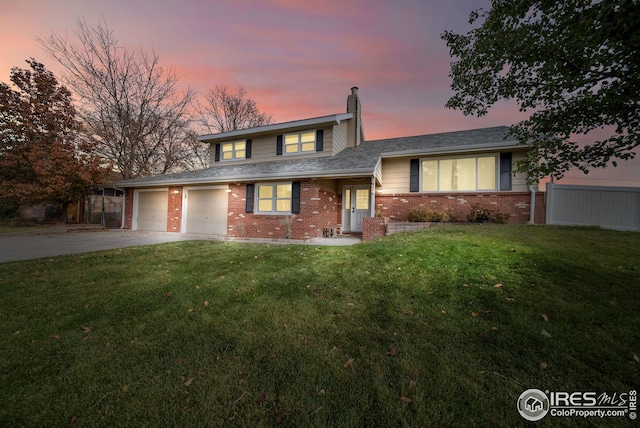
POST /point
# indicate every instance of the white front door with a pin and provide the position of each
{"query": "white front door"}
(355, 203)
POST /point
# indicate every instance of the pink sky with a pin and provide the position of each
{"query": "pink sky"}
(296, 59)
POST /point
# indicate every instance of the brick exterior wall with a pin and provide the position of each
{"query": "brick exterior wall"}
(128, 208)
(174, 213)
(398, 206)
(374, 227)
(321, 208)
(318, 209)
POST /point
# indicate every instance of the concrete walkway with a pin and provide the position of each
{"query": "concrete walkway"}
(75, 239)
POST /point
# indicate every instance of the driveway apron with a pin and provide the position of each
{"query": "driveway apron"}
(25, 246)
(58, 242)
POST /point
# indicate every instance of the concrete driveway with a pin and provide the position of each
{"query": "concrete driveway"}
(63, 240)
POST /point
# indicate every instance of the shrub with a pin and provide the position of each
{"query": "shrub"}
(421, 215)
(482, 213)
(8, 210)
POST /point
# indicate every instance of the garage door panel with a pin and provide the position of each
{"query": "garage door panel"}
(207, 211)
(152, 211)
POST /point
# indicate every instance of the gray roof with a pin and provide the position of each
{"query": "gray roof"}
(282, 126)
(353, 161)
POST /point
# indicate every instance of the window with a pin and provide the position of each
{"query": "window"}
(362, 199)
(300, 142)
(233, 151)
(274, 198)
(458, 174)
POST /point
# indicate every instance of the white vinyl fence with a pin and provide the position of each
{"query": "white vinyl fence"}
(608, 207)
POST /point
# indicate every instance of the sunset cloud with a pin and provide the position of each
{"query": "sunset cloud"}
(295, 59)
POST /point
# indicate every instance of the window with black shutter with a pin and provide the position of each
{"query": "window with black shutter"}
(295, 197)
(250, 195)
(505, 171)
(414, 175)
(319, 140)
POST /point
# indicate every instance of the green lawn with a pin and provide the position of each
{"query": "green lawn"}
(446, 327)
(9, 226)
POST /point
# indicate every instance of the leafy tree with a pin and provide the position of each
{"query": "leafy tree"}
(128, 101)
(227, 110)
(572, 63)
(43, 155)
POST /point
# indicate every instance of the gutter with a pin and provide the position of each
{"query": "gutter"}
(244, 178)
(450, 149)
(283, 126)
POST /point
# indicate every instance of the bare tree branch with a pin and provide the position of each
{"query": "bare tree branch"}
(131, 104)
(226, 110)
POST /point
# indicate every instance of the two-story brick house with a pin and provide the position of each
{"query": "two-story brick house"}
(294, 179)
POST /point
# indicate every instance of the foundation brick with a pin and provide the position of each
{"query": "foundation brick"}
(398, 207)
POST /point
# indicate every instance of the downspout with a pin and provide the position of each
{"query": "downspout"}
(102, 222)
(532, 204)
(372, 209)
(124, 203)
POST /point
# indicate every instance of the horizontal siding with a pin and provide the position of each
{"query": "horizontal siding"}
(519, 181)
(263, 149)
(339, 137)
(395, 175)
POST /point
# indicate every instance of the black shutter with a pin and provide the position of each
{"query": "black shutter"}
(279, 145)
(505, 171)
(217, 157)
(414, 175)
(295, 197)
(248, 149)
(319, 140)
(249, 202)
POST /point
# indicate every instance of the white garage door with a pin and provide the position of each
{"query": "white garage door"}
(207, 211)
(152, 210)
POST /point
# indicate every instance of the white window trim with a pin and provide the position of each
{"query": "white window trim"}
(274, 199)
(299, 146)
(496, 173)
(233, 152)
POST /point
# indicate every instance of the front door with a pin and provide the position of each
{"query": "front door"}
(355, 203)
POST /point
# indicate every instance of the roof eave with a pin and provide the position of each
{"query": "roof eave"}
(511, 145)
(337, 118)
(253, 178)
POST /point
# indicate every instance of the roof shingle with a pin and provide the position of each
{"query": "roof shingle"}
(352, 161)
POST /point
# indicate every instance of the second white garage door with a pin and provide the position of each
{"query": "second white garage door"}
(206, 211)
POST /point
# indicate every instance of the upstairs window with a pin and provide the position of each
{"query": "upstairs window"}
(458, 174)
(233, 151)
(300, 142)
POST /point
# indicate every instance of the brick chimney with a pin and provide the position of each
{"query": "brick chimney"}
(354, 126)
